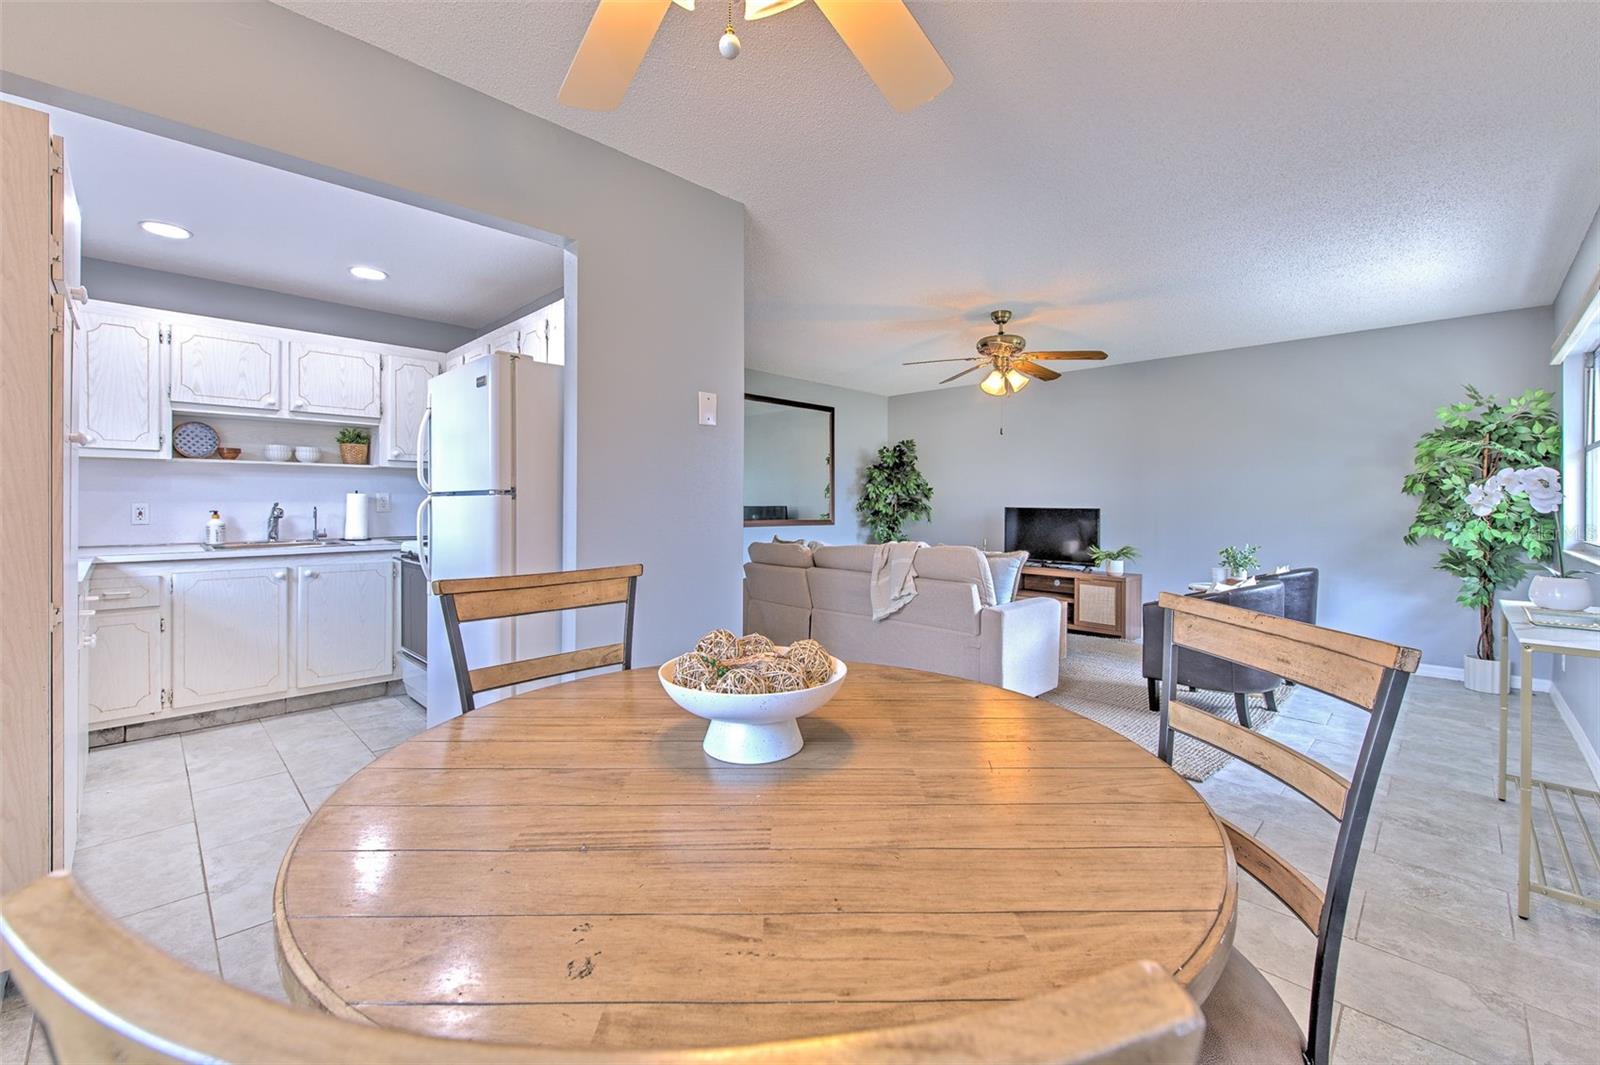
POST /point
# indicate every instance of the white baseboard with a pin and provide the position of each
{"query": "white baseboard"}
(1570, 719)
(1540, 684)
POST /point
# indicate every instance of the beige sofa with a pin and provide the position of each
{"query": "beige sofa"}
(960, 622)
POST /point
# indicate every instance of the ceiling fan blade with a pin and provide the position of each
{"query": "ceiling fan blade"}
(1041, 372)
(1089, 355)
(963, 373)
(892, 48)
(965, 358)
(618, 36)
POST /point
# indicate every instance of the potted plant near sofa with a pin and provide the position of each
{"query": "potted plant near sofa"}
(893, 492)
(1114, 559)
(1474, 441)
(1239, 561)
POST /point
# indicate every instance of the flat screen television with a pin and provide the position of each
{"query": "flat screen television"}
(1053, 534)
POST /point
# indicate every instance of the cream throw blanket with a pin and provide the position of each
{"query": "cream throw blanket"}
(893, 577)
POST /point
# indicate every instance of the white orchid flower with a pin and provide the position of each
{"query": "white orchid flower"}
(1485, 497)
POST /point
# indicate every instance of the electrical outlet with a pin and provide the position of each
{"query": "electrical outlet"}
(141, 514)
(380, 502)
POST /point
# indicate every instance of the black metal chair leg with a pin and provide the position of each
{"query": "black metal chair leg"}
(1241, 703)
(1155, 696)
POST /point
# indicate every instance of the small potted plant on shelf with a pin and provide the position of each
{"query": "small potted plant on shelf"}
(353, 445)
(1114, 558)
(1239, 561)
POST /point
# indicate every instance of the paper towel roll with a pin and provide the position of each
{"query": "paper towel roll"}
(357, 507)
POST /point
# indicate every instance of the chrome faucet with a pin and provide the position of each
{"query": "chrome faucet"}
(274, 516)
(317, 533)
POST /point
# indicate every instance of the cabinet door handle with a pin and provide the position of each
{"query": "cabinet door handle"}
(309, 574)
(77, 438)
(280, 575)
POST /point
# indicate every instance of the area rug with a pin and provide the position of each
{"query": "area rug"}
(1103, 680)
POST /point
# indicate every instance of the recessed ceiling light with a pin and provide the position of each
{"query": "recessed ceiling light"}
(165, 229)
(368, 273)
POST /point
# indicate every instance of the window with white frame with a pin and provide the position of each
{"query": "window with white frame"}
(1591, 451)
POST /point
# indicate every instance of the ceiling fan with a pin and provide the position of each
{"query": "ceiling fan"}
(1009, 368)
(883, 34)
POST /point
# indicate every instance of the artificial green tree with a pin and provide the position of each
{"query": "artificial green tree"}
(893, 492)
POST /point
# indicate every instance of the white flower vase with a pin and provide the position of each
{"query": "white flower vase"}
(1114, 567)
(1218, 574)
(1560, 593)
(1481, 674)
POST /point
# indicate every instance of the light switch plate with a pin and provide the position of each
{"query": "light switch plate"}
(380, 502)
(708, 408)
(141, 514)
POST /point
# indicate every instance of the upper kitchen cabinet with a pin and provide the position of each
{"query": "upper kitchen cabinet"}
(215, 367)
(405, 398)
(118, 384)
(341, 382)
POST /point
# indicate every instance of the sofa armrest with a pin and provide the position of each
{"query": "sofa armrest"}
(1021, 645)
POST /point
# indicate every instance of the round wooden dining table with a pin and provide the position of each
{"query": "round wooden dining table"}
(569, 868)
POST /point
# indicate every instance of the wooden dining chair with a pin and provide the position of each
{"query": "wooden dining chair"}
(492, 598)
(1246, 1021)
(103, 994)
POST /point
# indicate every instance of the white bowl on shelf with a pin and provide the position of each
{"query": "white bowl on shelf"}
(752, 729)
(308, 454)
(277, 452)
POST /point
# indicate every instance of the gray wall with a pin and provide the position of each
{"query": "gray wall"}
(860, 427)
(657, 281)
(1578, 679)
(1299, 447)
(143, 287)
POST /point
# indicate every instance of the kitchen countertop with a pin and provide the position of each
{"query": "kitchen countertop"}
(111, 555)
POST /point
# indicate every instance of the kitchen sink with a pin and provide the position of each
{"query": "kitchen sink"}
(256, 545)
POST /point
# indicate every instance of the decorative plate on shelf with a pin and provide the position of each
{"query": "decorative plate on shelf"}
(195, 440)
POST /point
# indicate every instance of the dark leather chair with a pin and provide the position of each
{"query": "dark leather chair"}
(1299, 593)
(1196, 670)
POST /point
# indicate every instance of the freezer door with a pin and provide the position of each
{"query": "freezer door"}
(470, 536)
(470, 431)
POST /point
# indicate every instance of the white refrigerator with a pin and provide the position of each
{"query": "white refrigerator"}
(489, 460)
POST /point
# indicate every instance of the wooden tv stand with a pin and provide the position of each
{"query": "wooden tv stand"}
(1090, 602)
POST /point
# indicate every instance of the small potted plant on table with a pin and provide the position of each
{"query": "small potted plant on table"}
(1114, 558)
(1239, 561)
(353, 446)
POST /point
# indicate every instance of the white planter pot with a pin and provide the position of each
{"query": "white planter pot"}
(1114, 567)
(1560, 593)
(1481, 674)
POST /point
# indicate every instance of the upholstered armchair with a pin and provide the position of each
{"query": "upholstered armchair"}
(1196, 670)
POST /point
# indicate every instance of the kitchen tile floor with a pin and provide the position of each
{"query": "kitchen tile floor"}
(182, 836)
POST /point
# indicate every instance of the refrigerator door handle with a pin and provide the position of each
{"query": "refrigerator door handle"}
(425, 538)
(425, 449)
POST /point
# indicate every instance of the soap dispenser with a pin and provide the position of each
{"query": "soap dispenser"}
(216, 530)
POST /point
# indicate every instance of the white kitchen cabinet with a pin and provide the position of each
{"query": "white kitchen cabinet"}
(230, 635)
(405, 398)
(125, 656)
(344, 382)
(344, 622)
(118, 383)
(214, 366)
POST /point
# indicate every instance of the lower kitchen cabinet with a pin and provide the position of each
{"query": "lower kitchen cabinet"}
(126, 658)
(344, 622)
(230, 635)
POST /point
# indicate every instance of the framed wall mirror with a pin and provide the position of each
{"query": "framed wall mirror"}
(788, 462)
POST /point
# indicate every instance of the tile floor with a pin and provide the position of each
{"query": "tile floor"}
(182, 835)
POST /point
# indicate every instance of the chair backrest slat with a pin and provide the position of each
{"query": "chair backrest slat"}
(469, 599)
(1292, 887)
(102, 994)
(1364, 672)
(1306, 775)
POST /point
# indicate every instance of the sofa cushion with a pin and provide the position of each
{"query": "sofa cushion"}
(955, 562)
(1006, 569)
(782, 553)
(845, 556)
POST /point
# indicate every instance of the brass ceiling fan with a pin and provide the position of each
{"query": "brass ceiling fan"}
(1009, 367)
(883, 34)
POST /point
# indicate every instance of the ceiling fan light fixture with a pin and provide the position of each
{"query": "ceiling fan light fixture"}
(994, 384)
(1018, 381)
(755, 9)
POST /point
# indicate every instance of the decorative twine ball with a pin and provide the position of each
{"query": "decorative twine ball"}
(718, 643)
(813, 660)
(753, 644)
(694, 670)
(781, 674)
(742, 680)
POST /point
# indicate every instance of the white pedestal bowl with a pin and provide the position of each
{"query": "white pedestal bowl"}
(752, 729)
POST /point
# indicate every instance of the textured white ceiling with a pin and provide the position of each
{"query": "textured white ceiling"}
(267, 228)
(1151, 179)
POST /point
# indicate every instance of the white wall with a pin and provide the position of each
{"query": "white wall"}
(1299, 446)
(860, 428)
(657, 311)
(181, 495)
